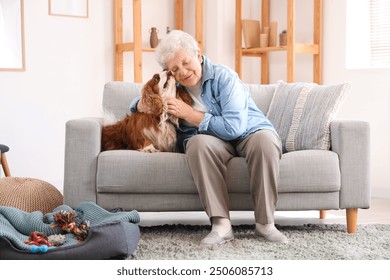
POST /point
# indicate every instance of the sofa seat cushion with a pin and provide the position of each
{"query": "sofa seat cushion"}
(127, 171)
(137, 172)
(300, 171)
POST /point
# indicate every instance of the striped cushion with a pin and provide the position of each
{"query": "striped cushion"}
(302, 113)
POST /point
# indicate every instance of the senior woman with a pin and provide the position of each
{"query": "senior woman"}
(222, 122)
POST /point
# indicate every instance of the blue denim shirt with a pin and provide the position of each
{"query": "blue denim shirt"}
(231, 112)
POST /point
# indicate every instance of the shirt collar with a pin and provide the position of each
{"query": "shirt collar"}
(208, 71)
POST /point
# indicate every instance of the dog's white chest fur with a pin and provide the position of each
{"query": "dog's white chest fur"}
(164, 137)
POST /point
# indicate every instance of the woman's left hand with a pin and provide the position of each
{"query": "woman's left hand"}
(182, 110)
(178, 108)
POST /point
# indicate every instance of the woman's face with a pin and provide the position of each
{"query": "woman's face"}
(187, 69)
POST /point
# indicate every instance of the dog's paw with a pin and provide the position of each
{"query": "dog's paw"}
(149, 149)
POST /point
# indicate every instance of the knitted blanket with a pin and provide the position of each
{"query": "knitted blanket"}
(16, 225)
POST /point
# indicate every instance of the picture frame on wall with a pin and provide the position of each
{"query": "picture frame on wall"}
(69, 8)
(12, 35)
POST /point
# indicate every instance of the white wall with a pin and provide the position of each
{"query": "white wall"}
(370, 94)
(69, 60)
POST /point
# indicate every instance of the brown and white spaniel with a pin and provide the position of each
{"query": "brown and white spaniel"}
(148, 132)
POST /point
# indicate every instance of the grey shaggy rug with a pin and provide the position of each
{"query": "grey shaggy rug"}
(307, 242)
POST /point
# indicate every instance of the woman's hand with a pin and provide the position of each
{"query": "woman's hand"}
(180, 109)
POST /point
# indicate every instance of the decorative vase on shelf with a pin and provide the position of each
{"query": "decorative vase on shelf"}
(153, 37)
(283, 38)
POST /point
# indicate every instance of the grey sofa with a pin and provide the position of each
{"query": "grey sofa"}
(309, 179)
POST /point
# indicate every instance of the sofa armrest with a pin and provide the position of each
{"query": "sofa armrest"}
(82, 147)
(351, 141)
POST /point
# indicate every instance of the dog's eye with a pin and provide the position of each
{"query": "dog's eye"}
(157, 78)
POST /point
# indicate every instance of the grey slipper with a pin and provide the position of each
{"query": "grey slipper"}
(213, 238)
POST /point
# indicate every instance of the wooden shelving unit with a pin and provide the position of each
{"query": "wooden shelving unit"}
(292, 47)
(136, 46)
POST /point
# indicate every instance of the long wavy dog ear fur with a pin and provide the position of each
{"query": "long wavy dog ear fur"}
(183, 95)
(152, 100)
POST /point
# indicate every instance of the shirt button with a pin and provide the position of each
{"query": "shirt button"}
(211, 110)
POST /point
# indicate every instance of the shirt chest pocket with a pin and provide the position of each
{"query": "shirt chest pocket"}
(214, 105)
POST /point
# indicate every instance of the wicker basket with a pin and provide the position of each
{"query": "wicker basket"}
(29, 194)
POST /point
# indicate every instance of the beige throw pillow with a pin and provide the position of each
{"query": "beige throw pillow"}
(302, 113)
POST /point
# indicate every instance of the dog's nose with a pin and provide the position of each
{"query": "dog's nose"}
(169, 73)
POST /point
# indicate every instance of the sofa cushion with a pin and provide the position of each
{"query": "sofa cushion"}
(302, 113)
(118, 95)
(127, 171)
(262, 95)
(300, 171)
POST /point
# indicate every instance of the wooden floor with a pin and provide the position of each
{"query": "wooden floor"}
(379, 213)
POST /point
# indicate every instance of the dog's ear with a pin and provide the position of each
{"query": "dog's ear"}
(152, 100)
(182, 94)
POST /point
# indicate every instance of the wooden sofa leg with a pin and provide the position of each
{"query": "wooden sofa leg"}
(322, 214)
(352, 214)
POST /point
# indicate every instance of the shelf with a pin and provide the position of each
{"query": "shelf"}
(292, 48)
(129, 47)
(254, 51)
(299, 48)
(136, 46)
(148, 49)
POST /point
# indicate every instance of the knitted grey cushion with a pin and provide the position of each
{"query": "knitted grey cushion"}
(302, 113)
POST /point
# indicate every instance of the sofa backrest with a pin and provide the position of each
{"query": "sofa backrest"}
(117, 96)
(262, 95)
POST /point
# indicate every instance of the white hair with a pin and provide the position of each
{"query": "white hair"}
(176, 40)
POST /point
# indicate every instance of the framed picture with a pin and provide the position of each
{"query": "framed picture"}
(69, 8)
(11, 35)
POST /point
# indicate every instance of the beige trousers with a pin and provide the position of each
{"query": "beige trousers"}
(207, 157)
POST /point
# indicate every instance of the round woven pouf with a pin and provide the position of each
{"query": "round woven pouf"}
(29, 194)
